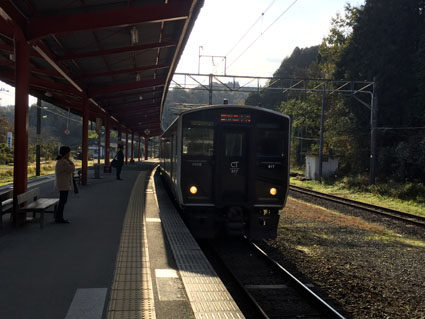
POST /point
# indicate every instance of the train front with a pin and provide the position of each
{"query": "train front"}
(234, 170)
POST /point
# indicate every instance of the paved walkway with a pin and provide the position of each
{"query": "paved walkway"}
(43, 271)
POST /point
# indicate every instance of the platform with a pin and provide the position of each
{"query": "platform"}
(125, 254)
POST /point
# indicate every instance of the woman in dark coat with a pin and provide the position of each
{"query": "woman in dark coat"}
(120, 161)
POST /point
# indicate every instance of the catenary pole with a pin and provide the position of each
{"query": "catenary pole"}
(322, 125)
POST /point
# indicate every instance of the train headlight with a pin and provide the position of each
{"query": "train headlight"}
(193, 190)
(273, 191)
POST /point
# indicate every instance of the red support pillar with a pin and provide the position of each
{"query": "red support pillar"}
(138, 151)
(107, 168)
(85, 142)
(146, 148)
(126, 146)
(20, 149)
(132, 147)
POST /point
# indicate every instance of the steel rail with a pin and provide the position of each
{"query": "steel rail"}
(325, 310)
(303, 289)
(241, 287)
(403, 216)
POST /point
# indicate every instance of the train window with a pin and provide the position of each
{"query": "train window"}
(234, 144)
(270, 143)
(198, 141)
(201, 123)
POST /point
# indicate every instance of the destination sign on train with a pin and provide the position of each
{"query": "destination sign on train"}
(235, 118)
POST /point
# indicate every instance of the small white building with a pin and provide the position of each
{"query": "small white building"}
(329, 166)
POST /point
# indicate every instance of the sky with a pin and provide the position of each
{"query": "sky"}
(227, 28)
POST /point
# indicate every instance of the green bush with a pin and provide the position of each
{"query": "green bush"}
(412, 191)
(406, 191)
(359, 182)
(6, 154)
(47, 168)
(31, 170)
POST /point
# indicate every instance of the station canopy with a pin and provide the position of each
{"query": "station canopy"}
(120, 55)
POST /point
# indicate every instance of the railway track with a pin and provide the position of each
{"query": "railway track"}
(394, 214)
(272, 290)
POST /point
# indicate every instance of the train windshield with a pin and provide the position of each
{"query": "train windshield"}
(270, 143)
(233, 144)
(198, 141)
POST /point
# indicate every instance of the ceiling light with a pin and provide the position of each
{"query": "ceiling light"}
(134, 35)
(4, 15)
(137, 76)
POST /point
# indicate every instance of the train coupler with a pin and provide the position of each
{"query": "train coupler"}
(234, 223)
(263, 224)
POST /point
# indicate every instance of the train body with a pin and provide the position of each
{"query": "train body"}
(227, 167)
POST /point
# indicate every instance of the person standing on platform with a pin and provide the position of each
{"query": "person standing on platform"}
(64, 180)
(120, 161)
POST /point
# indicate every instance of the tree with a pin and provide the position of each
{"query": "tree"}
(338, 39)
(388, 43)
(301, 64)
(5, 127)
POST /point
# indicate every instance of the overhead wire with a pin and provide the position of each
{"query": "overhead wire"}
(57, 114)
(250, 28)
(252, 43)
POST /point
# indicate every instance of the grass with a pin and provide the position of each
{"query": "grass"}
(385, 194)
(46, 168)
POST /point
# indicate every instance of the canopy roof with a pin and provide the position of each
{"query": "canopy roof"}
(120, 55)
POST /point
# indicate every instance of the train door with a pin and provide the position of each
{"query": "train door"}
(232, 165)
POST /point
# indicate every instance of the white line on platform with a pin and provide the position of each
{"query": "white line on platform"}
(153, 220)
(87, 304)
(166, 273)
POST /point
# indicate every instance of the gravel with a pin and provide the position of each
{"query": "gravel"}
(369, 267)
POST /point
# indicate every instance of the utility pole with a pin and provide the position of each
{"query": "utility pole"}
(199, 58)
(210, 90)
(322, 119)
(38, 133)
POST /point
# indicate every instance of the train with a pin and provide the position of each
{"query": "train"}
(227, 168)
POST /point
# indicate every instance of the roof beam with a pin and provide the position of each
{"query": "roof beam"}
(43, 84)
(194, 9)
(130, 114)
(11, 49)
(120, 96)
(141, 119)
(32, 69)
(133, 48)
(143, 123)
(123, 105)
(125, 87)
(9, 13)
(138, 108)
(112, 73)
(45, 53)
(6, 28)
(40, 27)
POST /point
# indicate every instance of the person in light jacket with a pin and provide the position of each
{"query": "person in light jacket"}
(64, 173)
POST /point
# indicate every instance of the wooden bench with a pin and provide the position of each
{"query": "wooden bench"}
(38, 205)
(6, 205)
